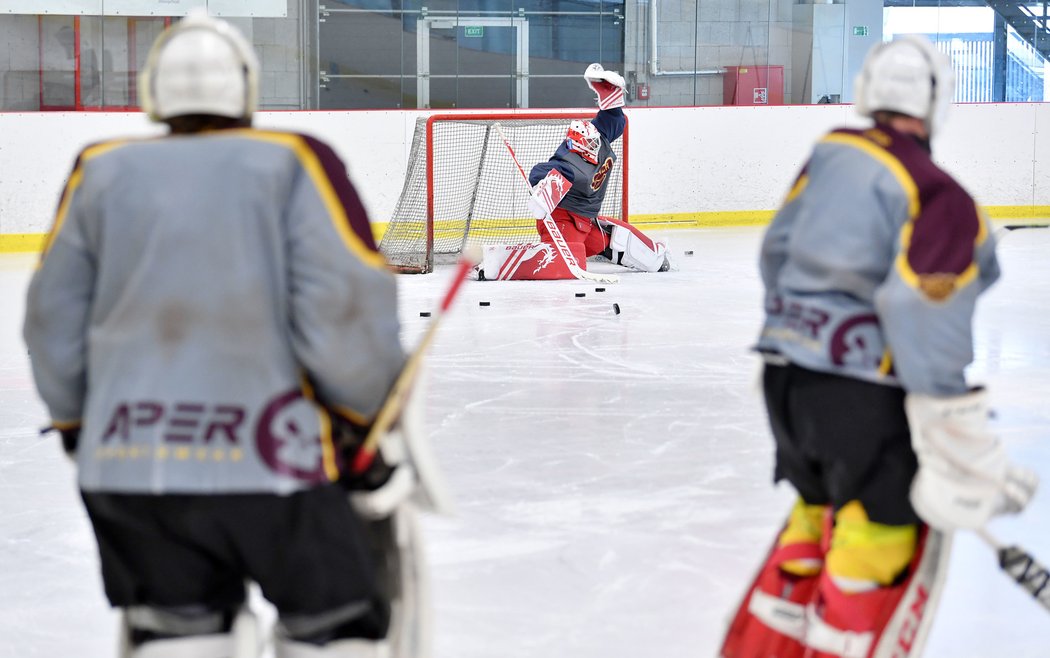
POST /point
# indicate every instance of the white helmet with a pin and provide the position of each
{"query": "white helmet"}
(909, 76)
(200, 65)
(583, 138)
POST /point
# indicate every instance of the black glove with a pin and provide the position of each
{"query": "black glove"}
(70, 438)
(348, 438)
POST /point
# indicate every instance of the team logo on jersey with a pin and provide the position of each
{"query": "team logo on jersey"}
(857, 342)
(938, 286)
(288, 437)
(599, 176)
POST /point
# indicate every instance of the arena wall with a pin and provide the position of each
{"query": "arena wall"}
(695, 166)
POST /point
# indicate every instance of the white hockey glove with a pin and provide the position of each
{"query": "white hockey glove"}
(964, 476)
(548, 193)
(382, 501)
(609, 85)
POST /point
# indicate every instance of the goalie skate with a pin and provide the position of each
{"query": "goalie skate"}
(784, 616)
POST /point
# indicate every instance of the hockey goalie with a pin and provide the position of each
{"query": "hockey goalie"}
(567, 193)
(872, 269)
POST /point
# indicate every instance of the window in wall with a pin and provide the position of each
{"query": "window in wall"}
(88, 62)
(467, 54)
(992, 58)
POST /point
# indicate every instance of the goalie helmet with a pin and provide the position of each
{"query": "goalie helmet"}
(584, 138)
(909, 76)
(200, 65)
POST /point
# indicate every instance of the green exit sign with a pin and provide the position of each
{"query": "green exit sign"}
(473, 31)
(858, 30)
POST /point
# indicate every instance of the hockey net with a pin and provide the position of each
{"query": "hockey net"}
(462, 187)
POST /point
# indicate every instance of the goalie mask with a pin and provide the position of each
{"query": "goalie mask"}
(584, 138)
(200, 65)
(908, 76)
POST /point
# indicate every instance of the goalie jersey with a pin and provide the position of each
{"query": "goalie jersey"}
(197, 295)
(873, 265)
(589, 181)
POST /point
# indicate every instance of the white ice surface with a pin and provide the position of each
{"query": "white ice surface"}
(612, 472)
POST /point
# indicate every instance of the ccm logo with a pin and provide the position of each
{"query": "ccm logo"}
(911, 623)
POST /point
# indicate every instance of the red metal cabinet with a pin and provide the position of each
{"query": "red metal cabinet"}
(753, 85)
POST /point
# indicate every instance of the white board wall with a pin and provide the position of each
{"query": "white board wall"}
(683, 161)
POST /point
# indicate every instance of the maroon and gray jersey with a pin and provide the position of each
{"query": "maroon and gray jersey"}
(873, 265)
(196, 296)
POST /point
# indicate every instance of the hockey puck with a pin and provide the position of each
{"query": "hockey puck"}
(424, 314)
(616, 309)
(599, 290)
(484, 303)
(689, 252)
(581, 294)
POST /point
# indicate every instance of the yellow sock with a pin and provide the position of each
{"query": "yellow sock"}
(865, 554)
(805, 526)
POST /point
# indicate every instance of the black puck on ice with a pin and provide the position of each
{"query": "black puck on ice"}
(689, 252)
(616, 309)
(581, 294)
(484, 303)
(424, 314)
(599, 290)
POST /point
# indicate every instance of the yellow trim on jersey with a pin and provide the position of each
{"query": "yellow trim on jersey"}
(886, 159)
(797, 188)
(67, 194)
(328, 461)
(328, 448)
(886, 364)
(314, 168)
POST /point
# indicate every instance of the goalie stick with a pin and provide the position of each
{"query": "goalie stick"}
(552, 228)
(399, 392)
(1022, 568)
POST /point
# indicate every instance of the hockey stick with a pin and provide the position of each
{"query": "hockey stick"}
(552, 228)
(1022, 568)
(399, 392)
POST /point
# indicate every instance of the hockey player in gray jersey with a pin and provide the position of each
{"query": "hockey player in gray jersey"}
(872, 268)
(209, 312)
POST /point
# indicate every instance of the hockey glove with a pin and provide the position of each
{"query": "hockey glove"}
(548, 193)
(70, 438)
(964, 476)
(389, 480)
(608, 85)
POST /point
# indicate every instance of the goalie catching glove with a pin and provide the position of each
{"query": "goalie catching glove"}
(964, 476)
(609, 85)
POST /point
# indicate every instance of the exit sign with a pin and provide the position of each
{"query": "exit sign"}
(473, 31)
(858, 30)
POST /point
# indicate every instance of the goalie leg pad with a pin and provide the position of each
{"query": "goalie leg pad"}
(771, 618)
(338, 649)
(397, 548)
(888, 622)
(632, 248)
(201, 646)
(527, 262)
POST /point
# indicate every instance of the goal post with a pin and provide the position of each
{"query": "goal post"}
(462, 188)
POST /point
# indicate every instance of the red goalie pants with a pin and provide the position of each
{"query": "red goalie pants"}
(577, 228)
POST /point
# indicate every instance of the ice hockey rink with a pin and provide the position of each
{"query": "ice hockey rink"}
(612, 471)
